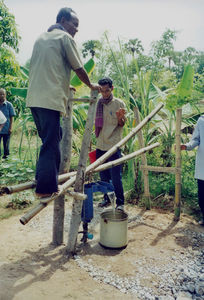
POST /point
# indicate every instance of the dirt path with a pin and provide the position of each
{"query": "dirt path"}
(31, 268)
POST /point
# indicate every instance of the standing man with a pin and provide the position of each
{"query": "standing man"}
(197, 140)
(7, 109)
(109, 122)
(54, 56)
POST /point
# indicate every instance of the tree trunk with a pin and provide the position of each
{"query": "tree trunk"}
(80, 178)
(177, 203)
(66, 148)
(143, 162)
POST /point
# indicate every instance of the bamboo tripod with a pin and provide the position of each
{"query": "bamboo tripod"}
(78, 178)
(175, 170)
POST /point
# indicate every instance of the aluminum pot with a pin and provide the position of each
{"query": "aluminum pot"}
(113, 229)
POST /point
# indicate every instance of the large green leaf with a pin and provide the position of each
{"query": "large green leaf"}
(21, 92)
(185, 87)
(89, 66)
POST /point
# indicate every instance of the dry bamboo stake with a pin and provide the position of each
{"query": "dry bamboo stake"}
(65, 149)
(125, 158)
(177, 203)
(80, 178)
(162, 169)
(143, 162)
(28, 216)
(81, 100)
(31, 184)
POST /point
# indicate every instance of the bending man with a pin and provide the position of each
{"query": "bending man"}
(54, 56)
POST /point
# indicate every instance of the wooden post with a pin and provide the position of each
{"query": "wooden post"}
(177, 203)
(66, 148)
(80, 178)
(143, 162)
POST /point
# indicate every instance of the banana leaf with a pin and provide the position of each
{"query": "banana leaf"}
(89, 66)
(21, 92)
(25, 72)
(185, 87)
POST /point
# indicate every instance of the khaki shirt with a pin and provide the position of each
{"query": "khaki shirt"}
(54, 55)
(111, 132)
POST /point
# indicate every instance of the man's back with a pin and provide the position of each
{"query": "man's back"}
(54, 55)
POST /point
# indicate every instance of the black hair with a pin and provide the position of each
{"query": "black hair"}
(64, 12)
(105, 81)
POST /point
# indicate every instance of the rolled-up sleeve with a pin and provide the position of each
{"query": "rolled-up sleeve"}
(195, 141)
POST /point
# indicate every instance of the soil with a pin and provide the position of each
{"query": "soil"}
(32, 268)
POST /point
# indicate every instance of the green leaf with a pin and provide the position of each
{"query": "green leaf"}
(185, 87)
(21, 92)
(25, 72)
(89, 66)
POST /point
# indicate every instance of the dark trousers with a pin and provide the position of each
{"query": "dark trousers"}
(6, 142)
(48, 125)
(201, 195)
(113, 174)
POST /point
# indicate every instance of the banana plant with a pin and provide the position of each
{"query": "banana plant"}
(75, 81)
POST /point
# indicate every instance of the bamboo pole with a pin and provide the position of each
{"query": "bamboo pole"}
(65, 149)
(143, 162)
(125, 158)
(88, 100)
(80, 179)
(31, 184)
(177, 203)
(162, 169)
(28, 216)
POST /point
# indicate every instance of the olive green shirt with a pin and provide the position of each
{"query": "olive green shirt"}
(54, 55)
(111, 132)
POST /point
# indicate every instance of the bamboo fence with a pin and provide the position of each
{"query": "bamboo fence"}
(174, 170)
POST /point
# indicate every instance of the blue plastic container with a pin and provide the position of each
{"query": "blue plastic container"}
(89, 189)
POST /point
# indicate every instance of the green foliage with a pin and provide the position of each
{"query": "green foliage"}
(8, 30)
(21, 200)
(164, 48)
(9, 40)
(89, 66)
(13, 171)
(90, 47)
(181, 94)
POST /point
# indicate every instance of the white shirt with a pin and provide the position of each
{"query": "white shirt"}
(2, 118)
(198, 140)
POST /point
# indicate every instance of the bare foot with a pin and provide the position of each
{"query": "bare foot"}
(39, 195)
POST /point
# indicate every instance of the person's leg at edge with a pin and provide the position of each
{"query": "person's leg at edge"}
(201, 198)
(48, 126)
(1, 137)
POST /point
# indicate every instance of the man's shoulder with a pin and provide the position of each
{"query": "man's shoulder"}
(119, 101)
(8, 103)
(54, 35)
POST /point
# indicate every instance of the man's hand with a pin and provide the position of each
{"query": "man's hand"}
(95, 87)
(183, 147)
(72, 88)
(121, 116)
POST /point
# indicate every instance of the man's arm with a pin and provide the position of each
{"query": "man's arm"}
(83, 76)
(11, 123)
